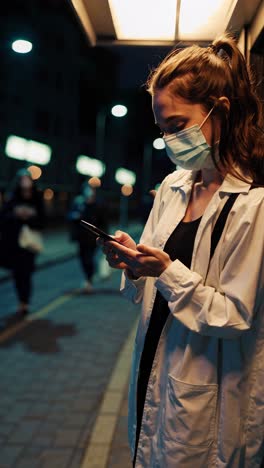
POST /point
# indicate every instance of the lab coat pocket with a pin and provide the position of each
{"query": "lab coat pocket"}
(190, 413)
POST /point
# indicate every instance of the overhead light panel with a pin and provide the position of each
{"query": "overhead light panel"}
(204, 19)
(144, 19)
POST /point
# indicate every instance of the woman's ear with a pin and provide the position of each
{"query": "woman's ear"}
(225, 103)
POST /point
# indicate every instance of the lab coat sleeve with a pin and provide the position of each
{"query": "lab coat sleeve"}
(228, 310)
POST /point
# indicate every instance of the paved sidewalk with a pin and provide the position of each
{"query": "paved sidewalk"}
(55, 371)
(53, 377)
(119, 456)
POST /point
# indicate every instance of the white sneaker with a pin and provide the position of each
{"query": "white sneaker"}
(87, 287)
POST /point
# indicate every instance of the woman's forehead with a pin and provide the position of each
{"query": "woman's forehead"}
(165, 104)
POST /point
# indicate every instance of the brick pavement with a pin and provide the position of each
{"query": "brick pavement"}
(119, 456)
(52, 380)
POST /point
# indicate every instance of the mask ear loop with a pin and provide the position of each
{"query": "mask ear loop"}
(207, 116)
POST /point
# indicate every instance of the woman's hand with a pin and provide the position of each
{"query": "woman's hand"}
(138, 260)
(111, 256)
(146, 261)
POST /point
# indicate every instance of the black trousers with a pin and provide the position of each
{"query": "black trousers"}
(22, 270)
(87, 259)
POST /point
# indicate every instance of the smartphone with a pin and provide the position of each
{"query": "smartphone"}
(97, 232)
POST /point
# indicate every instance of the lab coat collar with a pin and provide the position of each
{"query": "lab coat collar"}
(230, 184)
(185, 182)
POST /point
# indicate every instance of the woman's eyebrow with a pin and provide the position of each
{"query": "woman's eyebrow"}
(171, 119)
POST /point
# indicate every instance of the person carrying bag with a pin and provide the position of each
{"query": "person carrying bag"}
(21, 220)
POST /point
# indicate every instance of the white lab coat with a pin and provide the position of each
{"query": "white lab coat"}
(204, 406)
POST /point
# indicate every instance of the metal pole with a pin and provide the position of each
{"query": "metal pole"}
(147, 167)
(101, 117)
(123, 215)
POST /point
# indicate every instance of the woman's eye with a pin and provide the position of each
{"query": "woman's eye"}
(178, 128)
(174, 129)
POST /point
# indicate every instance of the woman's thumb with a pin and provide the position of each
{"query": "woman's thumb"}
(122, 237)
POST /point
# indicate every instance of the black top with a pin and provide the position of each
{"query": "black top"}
(178, 246)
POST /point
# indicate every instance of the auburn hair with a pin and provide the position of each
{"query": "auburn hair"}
(203, 75)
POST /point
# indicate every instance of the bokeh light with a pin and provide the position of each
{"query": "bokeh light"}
(48, 194)
(95, 182)
(126, 190)
(21, 46)
(119, 110)
(35, 172)
(159, 144)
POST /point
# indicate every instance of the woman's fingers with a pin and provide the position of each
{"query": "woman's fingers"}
(115, 262)
(113, 258)
(146, 250)
(125, 239)
(123, 251)
(143, 260)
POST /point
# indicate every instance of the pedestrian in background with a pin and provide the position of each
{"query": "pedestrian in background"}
(196, 394)
(21, 219)
(86, 206)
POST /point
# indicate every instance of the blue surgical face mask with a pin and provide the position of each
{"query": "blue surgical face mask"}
(189, 149)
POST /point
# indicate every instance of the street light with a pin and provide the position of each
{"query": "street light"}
(158, 144)
(22, 46)
(126, 179)
(119, 110)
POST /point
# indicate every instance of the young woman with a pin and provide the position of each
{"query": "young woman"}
(196, 393)
(23, 207)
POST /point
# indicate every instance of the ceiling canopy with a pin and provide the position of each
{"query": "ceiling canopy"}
(162, 21)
